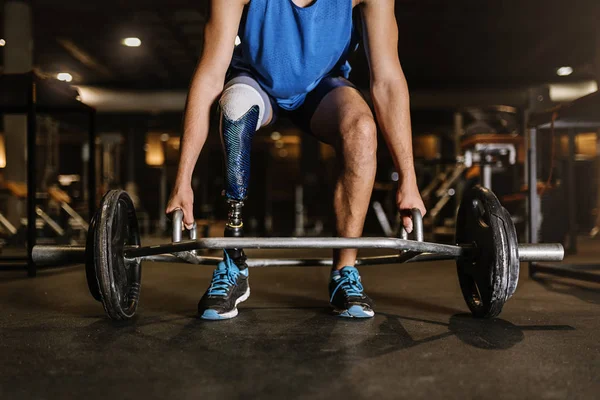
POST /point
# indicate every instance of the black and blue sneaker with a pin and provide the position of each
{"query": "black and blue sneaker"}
(228, 288)
(347, 294)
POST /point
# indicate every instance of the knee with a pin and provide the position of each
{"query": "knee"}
(359, 138)
(242, 104)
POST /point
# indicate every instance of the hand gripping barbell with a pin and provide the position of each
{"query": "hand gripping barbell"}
(487, 253)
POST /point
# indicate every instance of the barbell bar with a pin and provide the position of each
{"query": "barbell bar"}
(67, 255)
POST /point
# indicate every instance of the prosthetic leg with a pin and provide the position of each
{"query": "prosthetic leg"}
(242, 111)
(243, 105)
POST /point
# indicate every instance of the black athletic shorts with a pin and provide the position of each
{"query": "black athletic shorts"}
(303, 114)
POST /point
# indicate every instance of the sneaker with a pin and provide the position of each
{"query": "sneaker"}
(228, 288)
(347, 296)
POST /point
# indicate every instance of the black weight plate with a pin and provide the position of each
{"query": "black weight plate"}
(90, 265)
(118, 279)
(485, 272)
(514, 265)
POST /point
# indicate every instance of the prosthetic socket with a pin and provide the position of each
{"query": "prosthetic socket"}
(242, 110)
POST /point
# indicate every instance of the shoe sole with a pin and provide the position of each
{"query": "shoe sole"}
(354, 312)
(212, 315)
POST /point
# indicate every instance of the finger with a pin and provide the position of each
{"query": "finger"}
(188, 218)
(407, 223)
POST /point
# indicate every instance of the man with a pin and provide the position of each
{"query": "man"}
(292, 60)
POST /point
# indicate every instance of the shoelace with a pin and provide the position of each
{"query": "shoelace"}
(350, 283)
(223, 279)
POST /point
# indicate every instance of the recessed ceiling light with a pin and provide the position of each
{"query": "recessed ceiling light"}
(2, 42)
(275, 135)
(132, 42)
(64, 76)
(564, 71)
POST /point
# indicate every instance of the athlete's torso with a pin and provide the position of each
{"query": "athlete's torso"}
(289, 49)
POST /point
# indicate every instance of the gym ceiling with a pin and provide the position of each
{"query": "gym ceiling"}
(443, 43)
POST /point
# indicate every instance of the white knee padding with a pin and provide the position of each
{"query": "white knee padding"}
(238, 99)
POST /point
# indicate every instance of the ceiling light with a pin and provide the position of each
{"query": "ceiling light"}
(2, 42)
(564, 71)
(238, 40)
(132, 42)
(563, 92)
(64, 76)
(275, 136)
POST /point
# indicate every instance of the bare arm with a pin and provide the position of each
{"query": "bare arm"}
(206, 86)
(389, 91)
(207, 83)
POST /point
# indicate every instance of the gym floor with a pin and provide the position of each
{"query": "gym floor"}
(56, 342)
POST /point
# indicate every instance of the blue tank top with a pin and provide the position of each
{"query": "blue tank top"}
(289, 49)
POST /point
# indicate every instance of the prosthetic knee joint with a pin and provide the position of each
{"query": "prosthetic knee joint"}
(242, 113)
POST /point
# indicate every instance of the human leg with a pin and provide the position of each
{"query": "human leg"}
(245, 108)
(341, 118)
(344, 120)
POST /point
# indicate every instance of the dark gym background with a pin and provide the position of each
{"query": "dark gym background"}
(110, 80)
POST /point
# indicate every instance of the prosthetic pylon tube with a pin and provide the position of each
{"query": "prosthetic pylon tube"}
(237, 142)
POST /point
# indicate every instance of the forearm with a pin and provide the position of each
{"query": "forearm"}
(203, 93)
(392, 107)
(206, 87)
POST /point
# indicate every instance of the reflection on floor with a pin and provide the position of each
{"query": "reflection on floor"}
(56, 342)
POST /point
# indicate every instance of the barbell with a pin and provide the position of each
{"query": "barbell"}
(487, 252)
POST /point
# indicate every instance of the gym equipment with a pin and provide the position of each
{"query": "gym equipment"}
(489, 152)
(62, 198)
(114, 279)
(487, 253)
(31, 95)
(19, 191)
(6, 226)
(581, 115)
(483, 222)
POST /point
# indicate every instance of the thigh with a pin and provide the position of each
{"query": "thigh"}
(339, 110)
